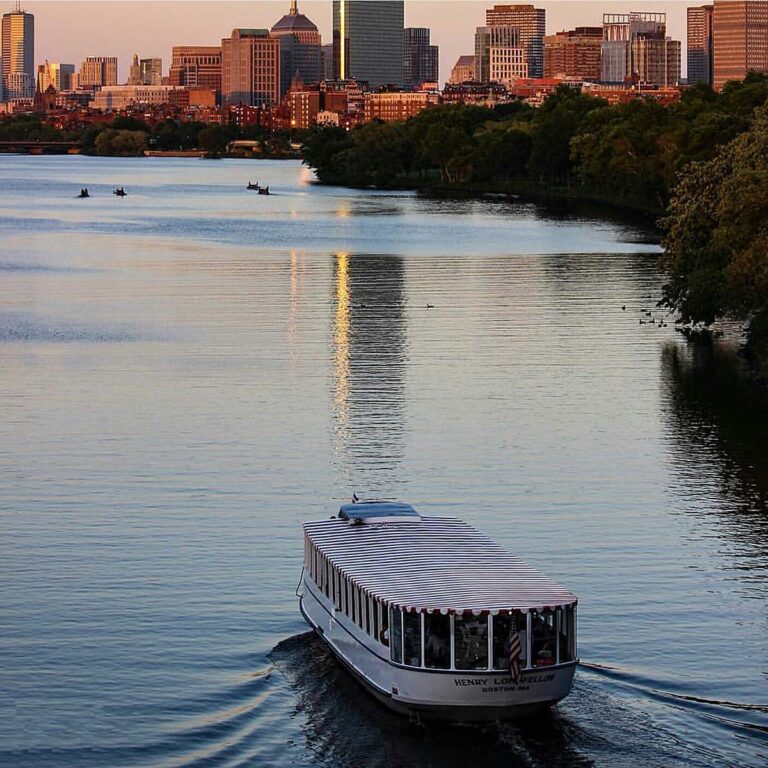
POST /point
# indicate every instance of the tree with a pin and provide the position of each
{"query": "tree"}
(214, 139)
(716, 242)
(501, 152)
(555, 124)
(121, 143)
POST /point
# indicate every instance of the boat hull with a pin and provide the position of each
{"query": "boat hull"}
(456, 695)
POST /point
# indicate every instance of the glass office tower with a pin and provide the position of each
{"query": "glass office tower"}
(368, 41)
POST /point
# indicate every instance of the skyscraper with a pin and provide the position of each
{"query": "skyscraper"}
(18, 55)
(420, 59)
(146, 71)
(500, 56)
(532, 25)
(574, 54)
(368, 41)
(300, 48)
(196, 66)
(56, 74)
(98, 71)
(327, 59)
(700, 40)
(635, 48)
(740, 39)
(250, 68)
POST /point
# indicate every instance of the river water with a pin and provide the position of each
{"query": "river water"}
(191, 371)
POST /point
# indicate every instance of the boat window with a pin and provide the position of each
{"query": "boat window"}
(361, 614)
(375, 627)
(368, 617)
(471, 642)
(437, 641)
(412, 642)
(543, 638)
(503, 629)
(327, 577)
(565, 633)
(396, 635)
(355, 606)
(384, 633)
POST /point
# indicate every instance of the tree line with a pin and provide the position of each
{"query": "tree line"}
(130, 137)
(573, 145)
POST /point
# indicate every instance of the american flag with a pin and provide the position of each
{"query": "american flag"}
(514, 655)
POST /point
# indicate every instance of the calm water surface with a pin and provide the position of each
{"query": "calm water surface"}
(190, 372)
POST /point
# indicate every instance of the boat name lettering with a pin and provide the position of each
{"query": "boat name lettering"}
(483, 681)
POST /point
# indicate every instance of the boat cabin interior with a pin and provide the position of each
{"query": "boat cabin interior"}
(444, 639)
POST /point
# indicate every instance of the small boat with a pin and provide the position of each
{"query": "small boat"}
(253, 186)
(120, 192)
(84, 192)
(433, 617)
(264, 191)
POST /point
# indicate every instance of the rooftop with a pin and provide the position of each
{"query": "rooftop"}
(434, 563)
(294, 21)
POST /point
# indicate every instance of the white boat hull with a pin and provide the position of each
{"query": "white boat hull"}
(441, 694)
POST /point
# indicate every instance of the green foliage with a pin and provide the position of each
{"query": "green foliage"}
(173, 135)
(121, 123)
(628, 151)
(555, 125)
(501, 151)
(214, 139)
(716, 243)
(28, 128)
(120, 143)
(573, 144)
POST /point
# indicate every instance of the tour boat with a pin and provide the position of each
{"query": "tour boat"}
(433, 617)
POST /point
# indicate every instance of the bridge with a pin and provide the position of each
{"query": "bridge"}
(41, 147)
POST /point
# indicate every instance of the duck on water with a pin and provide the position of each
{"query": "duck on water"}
(433, 617)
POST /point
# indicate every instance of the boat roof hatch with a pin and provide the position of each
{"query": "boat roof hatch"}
(362, 512)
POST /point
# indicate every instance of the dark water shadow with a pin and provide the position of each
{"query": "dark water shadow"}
(717, 418)
(345, 726)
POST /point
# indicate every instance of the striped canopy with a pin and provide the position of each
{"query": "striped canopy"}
(438, 564)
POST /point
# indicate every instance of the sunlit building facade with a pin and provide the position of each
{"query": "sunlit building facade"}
(700, 44)
(499, 55)
(531, 22)
(740, 32)
(463, 70)
(196, 66)
(368, 41)
(574, 54)
(635, 48)
(250, 68)
(18, 55)
(56, 74)
(146, 71)
(98, 71)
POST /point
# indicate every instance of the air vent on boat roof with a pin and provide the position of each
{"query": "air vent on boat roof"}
(364, 512)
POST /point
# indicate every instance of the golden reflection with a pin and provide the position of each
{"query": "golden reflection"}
(341, 341)
(344, 211)
(293, 330)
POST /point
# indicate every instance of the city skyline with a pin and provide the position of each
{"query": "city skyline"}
(66, 31)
